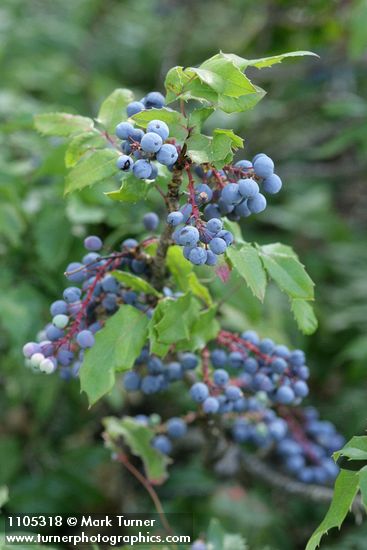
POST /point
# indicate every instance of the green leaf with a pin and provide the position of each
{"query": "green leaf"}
(81, 144)
(283, 266)
(198, 289)
(304, 315)
(240, 104)
(135, 282)
(174, 83)
(204, 329)
(116, 347)
(92, 169)
(242, 63)
(225, 77)
(176, 121)
(138, 438)
(199, 148)
(354, 449)
(113, 109)
(217, 150)
(198, 117)
(245, 259)
(62, 124)
(132, 190)
(363, 485)
(346, 487)
(178, 266)
(184, 275)
(176, 318)
(218, 539)
(237, 141)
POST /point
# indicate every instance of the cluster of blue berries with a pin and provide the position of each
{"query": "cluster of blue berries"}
(233, 192)
(83, 309)
(139, 148)
(250, 382)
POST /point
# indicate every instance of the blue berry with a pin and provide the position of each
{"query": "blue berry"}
(211, 258)
(248, 188)
(151, 142)
(58, 307)
(226, 236)
(233, 393)
(154, 100)
(188, 236)
(175, 218)
(159, 127)
(211, 405)
(162, 444)
(142, 169)
(220, 377)
(285, 395)
(131, 381)
(151, 221)
(263, 166)
(176, 428)
(300, 388)
(257, 204)
(198, 256)
(214, 225)
(93, 243)
(218, 245)
(189, 361)
(85, 339)
(167, 155)
(218, 358)
(231, 194)
(124, 130)
(199, 392)
(134, 107)
(124, 163)
(76, 272)
(272, 184)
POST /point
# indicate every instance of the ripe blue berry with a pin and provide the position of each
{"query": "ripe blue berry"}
(198, 255)
(211, 405)
(263, 166)
(285, 395)
(214, 225)
(124, 163)
(231, 194)
(199, 392)
(142, 169)
(151, 142)
(176, 428)
(218, 245)
(188, 236)
(85, 339)
(131, 381)
(159, 127)
(220, 377)
(93, 243)
(167, 155)
(248, 188)
(154, 100)
(151, 221)
(134, 107)
(175, 218)
(272, 184)
(162, 444)
(124, 130)
(257, 204)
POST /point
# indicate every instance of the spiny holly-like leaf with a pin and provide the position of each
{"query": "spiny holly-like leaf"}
(346, 487)
(198, 117)
(132, 190)
(304, 315)
(245, 259)
(62, 124)
(81, 144)
(242, 63)
(138, 438)
(116, 347)
(225, 77)
(135, 282)
(354, 449)
(113, 109)
(237, 141)
(283, 266)
(217, 150)
(175, 121)
(92, 169)
(184, 275)
(204, 330)
(177, 317)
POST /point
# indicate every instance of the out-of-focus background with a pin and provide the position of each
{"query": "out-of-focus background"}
(57, 55)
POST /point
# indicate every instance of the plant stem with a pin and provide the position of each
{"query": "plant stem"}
(172, 201)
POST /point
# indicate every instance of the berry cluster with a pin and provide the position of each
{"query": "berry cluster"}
(233, 192)
(247, 382)
(82, 311)
(140, 148)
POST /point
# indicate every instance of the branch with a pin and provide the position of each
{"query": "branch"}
(172, 201)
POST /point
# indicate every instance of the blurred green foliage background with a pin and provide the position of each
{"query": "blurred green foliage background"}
(57, 55)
